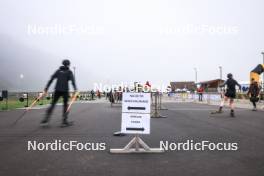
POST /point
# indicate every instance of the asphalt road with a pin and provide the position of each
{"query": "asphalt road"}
(96, 122)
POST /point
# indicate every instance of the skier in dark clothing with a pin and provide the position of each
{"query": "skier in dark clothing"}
(92, 94)
(253, 92)
(63, 76)
(230, 94)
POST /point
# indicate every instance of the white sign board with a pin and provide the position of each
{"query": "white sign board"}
(136, 113)
(133, 123)
(136, 102)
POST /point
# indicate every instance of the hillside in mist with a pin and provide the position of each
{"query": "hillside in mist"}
(24, 68)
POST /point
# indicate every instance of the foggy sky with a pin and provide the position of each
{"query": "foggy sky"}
(137, 40)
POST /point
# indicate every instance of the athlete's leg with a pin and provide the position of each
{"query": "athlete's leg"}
(51, 108)
(231, 104)
(232, 107)
(254, 105)
(65, 105)
(222, 103)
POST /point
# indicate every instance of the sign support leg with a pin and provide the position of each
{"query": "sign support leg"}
(160, 103)
(6, 103)
(156, 112)
(139, 147)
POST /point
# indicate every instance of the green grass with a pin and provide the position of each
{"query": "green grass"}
(14, 104)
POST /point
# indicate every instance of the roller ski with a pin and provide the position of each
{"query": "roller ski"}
(254, 109)
(44, 123)
(119, 133)
(220, 111)
(232, 113)
(66, 124)
(217, 112)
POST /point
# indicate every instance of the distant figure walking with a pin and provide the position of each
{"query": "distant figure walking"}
(253, 92)
(92, 94)
(200, 92)
(98, 93)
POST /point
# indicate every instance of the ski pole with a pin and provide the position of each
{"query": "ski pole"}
(74, 98)
(30, 107)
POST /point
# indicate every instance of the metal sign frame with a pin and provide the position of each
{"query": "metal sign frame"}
(136, 145)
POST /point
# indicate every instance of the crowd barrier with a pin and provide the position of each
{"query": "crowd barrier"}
(213, 98)
(193, 97)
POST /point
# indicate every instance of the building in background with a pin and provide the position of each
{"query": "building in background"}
(183, 86)
(211, 85)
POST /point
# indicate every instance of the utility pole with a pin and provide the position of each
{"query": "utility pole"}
(196, 74)
(221, 72)
(263, 74)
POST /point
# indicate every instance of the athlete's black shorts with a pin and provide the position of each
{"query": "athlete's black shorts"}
(230, 94)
